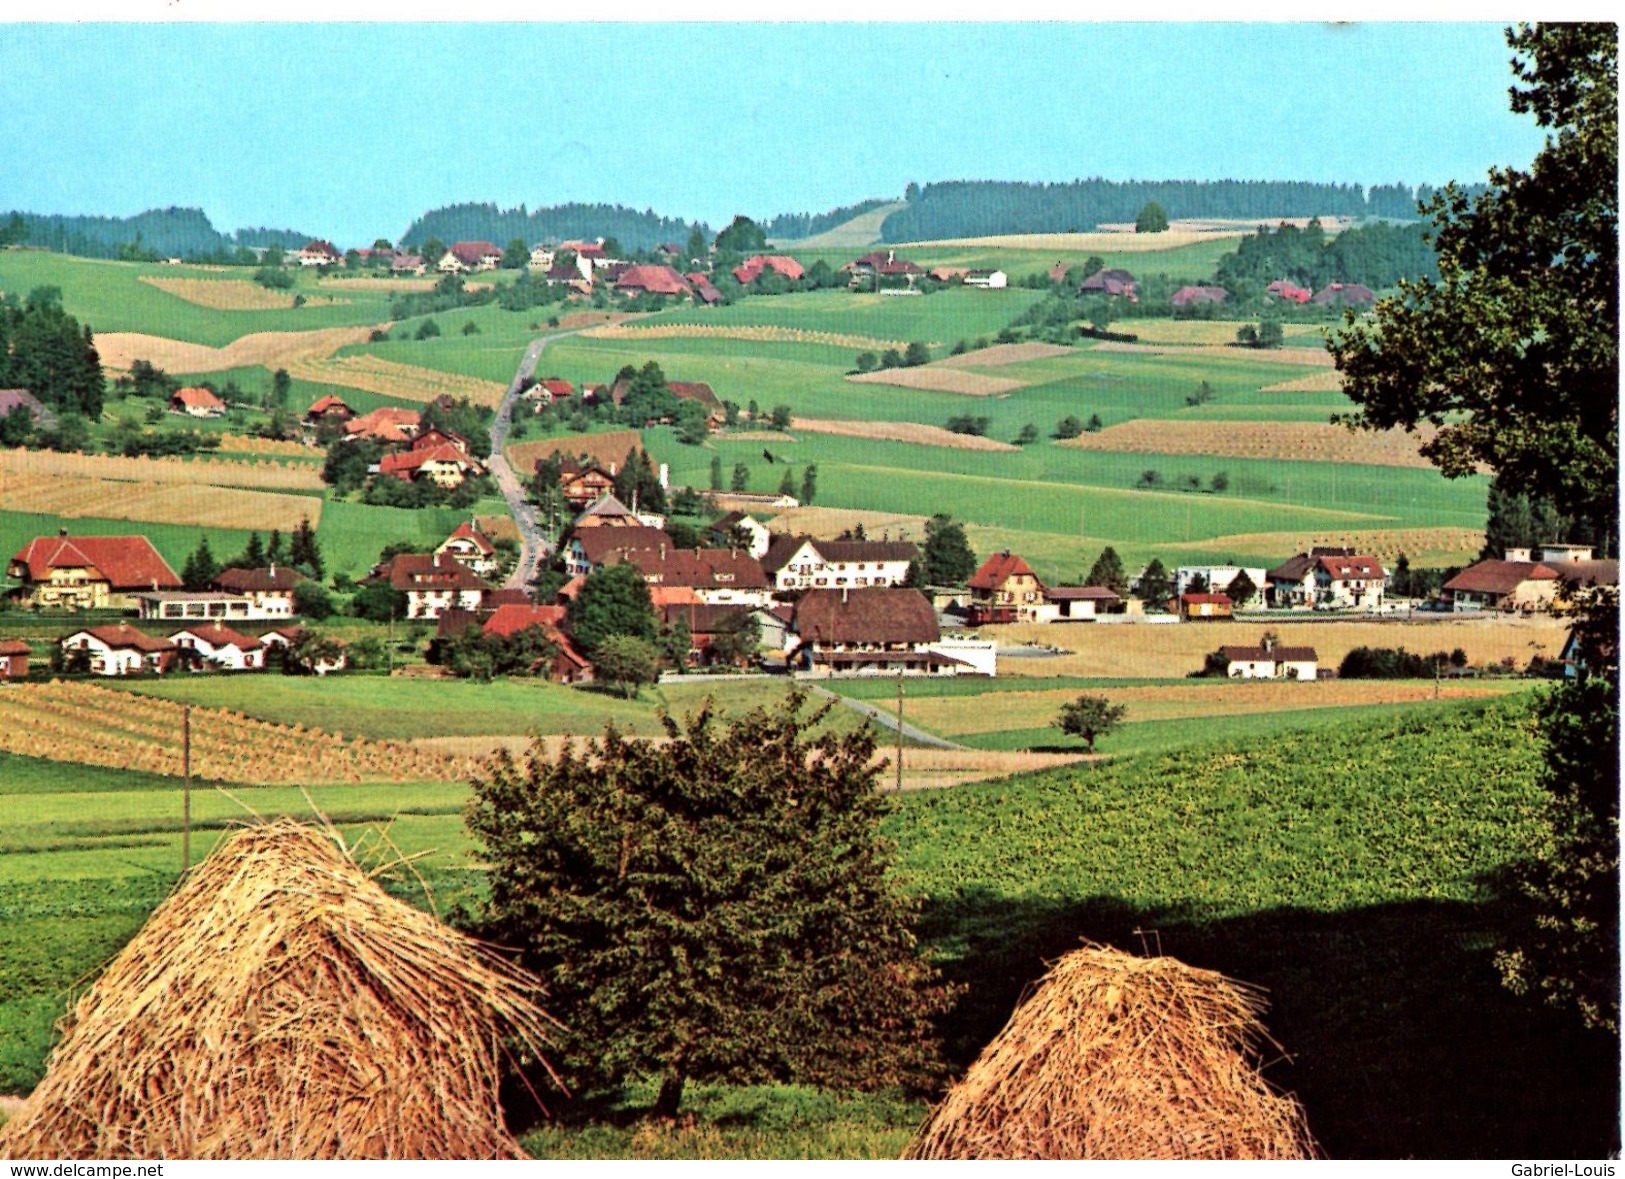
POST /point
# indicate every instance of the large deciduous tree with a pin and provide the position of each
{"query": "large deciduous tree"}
(946, 558)
(716, 907)
(613, 600)
(1090, 717)
(1513, 353)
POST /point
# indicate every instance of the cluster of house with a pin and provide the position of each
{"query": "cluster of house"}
(442, 457)
(1527, 580)
(74, 573)
(1122, 284)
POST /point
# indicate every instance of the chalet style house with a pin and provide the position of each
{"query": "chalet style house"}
(319, 253)
(802, 562)
(328, 409)
(197, 402)
(1328, 578)
(214, 644)
(432, 583)
(652, 280)
(744, 527)
(753, 267)
(1270, 661)
(87, 572)
(269, 590)
(13, 659)
(471, 548)
(120, 649)
(1527, 580)
(1118, 283)
(385, 424)
(1005, 589)
(718, 577)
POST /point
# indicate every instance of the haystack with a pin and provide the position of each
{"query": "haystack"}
(281, 1005)
(1119, 1057)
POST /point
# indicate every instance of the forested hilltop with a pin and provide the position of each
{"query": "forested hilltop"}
(981, 208)
(486, 222)
(157, 233)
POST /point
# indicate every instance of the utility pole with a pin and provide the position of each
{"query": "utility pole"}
(186, 788)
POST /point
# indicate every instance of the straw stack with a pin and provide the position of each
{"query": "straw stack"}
(281, 1005)
(1119, 1057)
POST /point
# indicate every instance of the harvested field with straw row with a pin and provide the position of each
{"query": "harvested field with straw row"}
(940, 380)
(1170, 652)
(1120, 1057)
(281, 1005)
(157, 503)
(392, 379)
(1421, 546)
(78, 722)
(249, 444)
(755, 335)
(271, 349)
(1002, 354)
(608, 447)
(223, 294)
(264, 475)
(995, 712)
(828, 523)
(1330, 381)
(1301, 441)
(915, 432)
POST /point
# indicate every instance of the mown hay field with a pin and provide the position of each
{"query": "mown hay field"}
(1308, 357)
(264, 474)
(1182, 331)
(1118, 243)
(195, 504)
(762, 334)
(1138, 650)
(828, 523)
(914, 432)
(270, 349)
(390, 378)
(223, 294)
(248, 444)
(1297, 441)
(1002, 354)
(939, 380)
(1329, 381)
(606, 448)
(87, 723)
(1434, 547)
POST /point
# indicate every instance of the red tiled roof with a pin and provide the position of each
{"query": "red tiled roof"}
(698, 568)
(434, 436)
(217, 634)
(123, 636)
(126, 562)
(657, 280)
(1190, 296)
(13, 647)
(470, 253)
(405, 462)
(557, 387)
(328, 404)
(1205, 599)
(467, 531)
(599, 544)
(1499, 577)
(320, 247)
(868, 615)
(508, 621)
(748, 271)
(1346, 568)
(998, 569)
(426, 572)
(387, 424)
(242, 581)
(196, 397)
(1345, 293)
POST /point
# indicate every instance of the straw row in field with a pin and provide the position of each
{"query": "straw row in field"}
(157, 503)
(249, 444)
(94, 725)
(1435, 547)
(759, 335)
(1305, 441)
(264, 474)
(392, 379)
(915, 432)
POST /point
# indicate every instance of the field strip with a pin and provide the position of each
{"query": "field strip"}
(994, 712)
(1117, 243)
(222, 294)
(264, 475)
(900, 432)
(1002, 354)
(608, 448)
(1295, 441)
(1137, 651)
(1302, 357)
(940, 380)
(119, 350)
(828, 523)
(1421, 546)
(92, 725)
(157, 503)
(390, 378)
(248, 444)
(1327, 381)
(754, 334)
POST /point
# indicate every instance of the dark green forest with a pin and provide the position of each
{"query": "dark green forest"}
(486, 222)
(1378, 255)
(157, 233)
(789, 226)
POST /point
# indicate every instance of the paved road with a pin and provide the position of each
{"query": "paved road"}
(533, 546)
(886, 721)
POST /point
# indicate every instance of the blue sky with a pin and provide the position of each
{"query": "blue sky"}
(349, 131)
